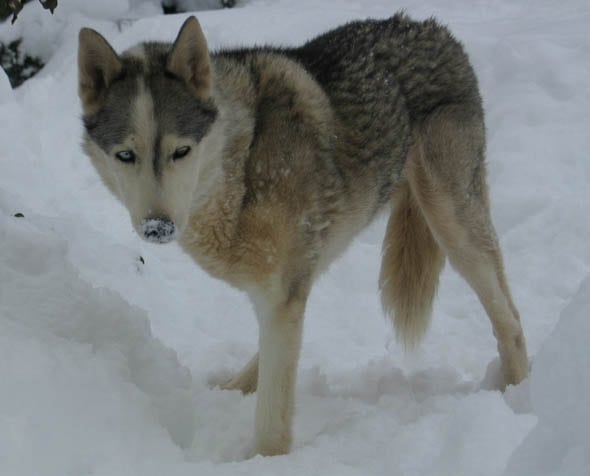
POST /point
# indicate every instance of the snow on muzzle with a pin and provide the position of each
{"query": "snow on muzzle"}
(158, 230)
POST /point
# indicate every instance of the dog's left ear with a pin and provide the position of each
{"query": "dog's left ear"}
(189, 58)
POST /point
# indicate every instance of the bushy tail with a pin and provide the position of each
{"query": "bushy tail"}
(411, 263)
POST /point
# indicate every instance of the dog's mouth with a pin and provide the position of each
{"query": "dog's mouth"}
(158, 230)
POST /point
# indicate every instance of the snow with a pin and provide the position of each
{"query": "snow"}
(107, 343)
(560, 383)
(5, 89)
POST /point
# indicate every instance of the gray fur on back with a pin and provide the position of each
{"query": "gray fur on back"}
(383, 77)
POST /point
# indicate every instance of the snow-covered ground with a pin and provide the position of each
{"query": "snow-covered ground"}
(107, 343)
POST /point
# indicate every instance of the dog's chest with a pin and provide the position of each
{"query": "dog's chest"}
(237, 248)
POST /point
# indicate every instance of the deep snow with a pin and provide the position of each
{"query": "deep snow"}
(107, 343)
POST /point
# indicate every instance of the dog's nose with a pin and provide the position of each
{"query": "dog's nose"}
(158, 230)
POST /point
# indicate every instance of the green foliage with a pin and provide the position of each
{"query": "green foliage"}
(171, 6)
(13, 7)
(19, 68)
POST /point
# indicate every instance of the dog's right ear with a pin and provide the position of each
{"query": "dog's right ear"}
(98, 66)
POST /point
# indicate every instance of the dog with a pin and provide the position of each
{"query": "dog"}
(264, 163)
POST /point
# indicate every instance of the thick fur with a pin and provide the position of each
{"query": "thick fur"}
(265, 163)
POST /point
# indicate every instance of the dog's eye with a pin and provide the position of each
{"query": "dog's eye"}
(126, 156)
(181, 152)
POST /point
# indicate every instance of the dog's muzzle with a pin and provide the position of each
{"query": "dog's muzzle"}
(158, 230)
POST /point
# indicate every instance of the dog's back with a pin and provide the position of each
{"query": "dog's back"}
(418, 63)
(384, 77)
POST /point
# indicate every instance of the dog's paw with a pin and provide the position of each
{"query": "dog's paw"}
(494, 378)
(225, 381)
(219, 380)
(244, 385)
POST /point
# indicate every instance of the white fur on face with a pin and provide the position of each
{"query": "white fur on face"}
(137, 51)
(136, 183)
(171, 189)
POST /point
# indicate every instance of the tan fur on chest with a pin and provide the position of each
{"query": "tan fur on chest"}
(243, 249)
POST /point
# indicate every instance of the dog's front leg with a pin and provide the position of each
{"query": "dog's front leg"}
(279, 340)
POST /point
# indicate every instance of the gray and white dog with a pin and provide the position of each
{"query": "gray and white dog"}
(264, 164)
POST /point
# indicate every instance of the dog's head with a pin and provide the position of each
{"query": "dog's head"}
(150, 123)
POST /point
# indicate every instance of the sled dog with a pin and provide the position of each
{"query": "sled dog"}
(264, 163)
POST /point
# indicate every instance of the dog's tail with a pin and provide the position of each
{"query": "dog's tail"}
(411, 263)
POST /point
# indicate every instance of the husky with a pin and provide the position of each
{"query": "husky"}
(264, 163)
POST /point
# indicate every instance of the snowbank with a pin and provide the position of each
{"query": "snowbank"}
(5, 89)
(83, 379)
(87, 388)
(560, 385)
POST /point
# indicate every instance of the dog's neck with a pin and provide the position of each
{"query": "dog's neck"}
(216, 208)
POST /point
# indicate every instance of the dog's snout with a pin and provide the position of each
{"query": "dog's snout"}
(158, 230)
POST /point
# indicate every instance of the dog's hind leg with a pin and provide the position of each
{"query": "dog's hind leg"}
(446, 173)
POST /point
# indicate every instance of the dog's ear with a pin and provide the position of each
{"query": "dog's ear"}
(189, 58)
(98, 66)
